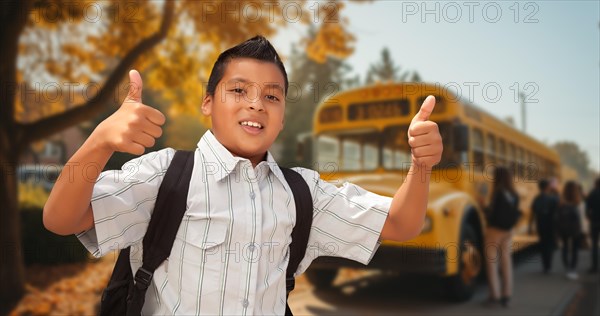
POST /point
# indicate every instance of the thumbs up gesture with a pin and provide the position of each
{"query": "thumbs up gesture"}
(424, 137)
(134, 126)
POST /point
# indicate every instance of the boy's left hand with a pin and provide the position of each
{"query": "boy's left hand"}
(424, 137)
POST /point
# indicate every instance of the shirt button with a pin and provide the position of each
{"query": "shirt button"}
(251, 248)
(252, 195)
(245, 303)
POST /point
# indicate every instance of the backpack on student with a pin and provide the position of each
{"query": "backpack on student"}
(503, 213)
(568, 221)
(125, 293)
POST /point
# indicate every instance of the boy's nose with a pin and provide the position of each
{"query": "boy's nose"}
(256, 106)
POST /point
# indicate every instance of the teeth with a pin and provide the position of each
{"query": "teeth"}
(253, 124)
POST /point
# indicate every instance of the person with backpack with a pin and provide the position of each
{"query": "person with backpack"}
(503, 214)
(592, 205)
(543, 212)
(568, 224)
(231, 250)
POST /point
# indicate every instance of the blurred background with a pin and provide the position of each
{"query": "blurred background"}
(526, 72)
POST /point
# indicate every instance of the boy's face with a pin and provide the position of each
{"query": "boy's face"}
(247, 109)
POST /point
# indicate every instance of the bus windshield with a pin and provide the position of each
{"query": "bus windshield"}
(367, 150)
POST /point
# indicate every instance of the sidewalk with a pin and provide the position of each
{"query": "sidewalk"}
(534, 294)
(538, 294)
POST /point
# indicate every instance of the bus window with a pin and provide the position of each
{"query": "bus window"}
(511, 157)
(388, 158)
(396, 149)
(370, 156)
(331, 114)
(490, 144)
(378, 110)
(401, 159)
(351, 155)
(520, 163)
(477, 146)
(395, 159)
(328, 152)
(530, 167)
(541, 167)
(501, 152)
(538, 167)
(350, 152)
(450, 158)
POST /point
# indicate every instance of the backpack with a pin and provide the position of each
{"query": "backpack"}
(504, 214)
(125, 293)
(568, 222)
(544, 208)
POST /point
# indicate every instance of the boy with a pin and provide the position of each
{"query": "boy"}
(592, 204)
(231, 250)
(543, 213)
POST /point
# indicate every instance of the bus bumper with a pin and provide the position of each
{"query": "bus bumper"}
(398, 259)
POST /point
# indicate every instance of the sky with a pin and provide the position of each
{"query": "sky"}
(487, 51)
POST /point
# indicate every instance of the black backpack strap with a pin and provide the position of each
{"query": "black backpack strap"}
(165, 221)
(301, 231)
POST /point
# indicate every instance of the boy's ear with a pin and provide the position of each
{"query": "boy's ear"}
(207, 105)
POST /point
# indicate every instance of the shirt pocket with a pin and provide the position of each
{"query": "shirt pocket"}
(196, 265)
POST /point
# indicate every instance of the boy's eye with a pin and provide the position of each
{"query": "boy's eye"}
(238, 90)
(272, 98)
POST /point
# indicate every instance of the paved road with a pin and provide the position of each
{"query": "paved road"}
(371, 293)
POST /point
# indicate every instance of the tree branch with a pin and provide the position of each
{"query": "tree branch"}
(80, 113)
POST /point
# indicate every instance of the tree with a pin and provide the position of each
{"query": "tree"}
(577, 159)
(311, 81)
(83, 51)
(387, 70)
(571, 155)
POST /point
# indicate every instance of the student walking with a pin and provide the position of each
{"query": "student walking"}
(543, 212)
(503, 214)
(568, 222)
(592, 205)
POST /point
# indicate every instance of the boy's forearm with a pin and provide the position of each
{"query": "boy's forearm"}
(132, 128)
(67, 210)
(409, 205)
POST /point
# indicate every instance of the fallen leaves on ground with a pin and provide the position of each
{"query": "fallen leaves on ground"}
(67, 289)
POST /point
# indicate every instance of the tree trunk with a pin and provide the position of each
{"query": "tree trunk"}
(12, 272)
(15, 137)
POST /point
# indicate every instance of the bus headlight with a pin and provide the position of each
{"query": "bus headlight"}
(427, 225)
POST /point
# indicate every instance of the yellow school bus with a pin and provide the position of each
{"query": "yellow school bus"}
(360, 136)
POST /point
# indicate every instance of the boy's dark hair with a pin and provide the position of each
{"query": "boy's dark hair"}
(543, 184)
(258, 48)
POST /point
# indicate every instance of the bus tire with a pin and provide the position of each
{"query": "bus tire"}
(461, 287)
(321, 278)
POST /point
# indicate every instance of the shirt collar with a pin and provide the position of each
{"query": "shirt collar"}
(274, 167)
(215, 153)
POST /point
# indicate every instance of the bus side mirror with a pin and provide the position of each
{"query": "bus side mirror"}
(461, 138)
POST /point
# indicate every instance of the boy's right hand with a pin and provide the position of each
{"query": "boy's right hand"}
(134, 125)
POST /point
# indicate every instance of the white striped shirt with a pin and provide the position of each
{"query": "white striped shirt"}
(231, 250)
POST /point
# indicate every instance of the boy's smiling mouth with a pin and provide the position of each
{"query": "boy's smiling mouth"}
(251, 127)
(251, 124)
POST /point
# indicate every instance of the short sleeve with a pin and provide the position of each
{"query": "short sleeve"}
(347, 220)
(123, 201)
